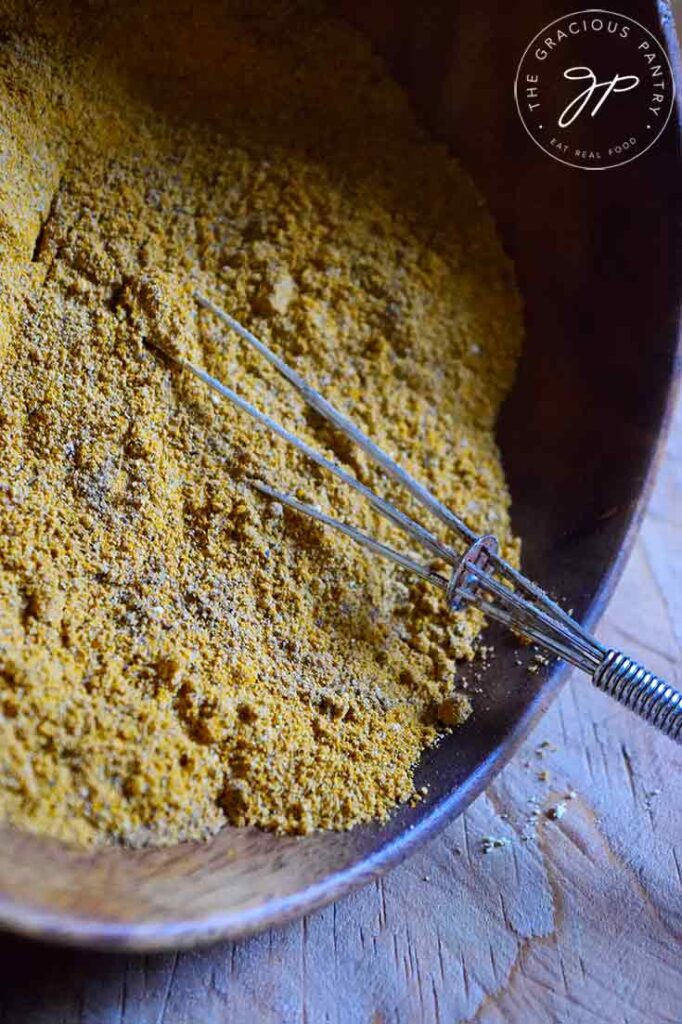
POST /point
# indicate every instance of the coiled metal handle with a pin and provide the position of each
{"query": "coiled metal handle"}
(642, 692)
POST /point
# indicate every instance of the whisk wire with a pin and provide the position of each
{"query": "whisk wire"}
(342, 423)
(428, 500)
(400, 519)
(367, 541)
(512, 599)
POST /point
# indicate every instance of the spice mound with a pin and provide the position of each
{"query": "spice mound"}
(178, 653)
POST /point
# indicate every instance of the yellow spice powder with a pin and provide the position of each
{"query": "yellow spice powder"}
(177, 652)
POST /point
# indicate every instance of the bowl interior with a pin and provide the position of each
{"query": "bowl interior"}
(597, 261)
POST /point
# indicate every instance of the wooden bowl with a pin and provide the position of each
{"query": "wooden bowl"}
(598, 264)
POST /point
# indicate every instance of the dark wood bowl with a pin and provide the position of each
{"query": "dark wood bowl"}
(599, 268)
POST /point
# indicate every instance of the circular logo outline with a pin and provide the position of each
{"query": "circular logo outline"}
(671, 104)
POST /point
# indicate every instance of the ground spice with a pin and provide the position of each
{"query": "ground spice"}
(176, 652)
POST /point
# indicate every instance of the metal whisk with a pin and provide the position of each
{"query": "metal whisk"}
(479, 576)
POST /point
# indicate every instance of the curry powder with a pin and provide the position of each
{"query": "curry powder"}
(177, 652)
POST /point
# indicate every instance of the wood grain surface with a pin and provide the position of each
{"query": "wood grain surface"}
(575, 918)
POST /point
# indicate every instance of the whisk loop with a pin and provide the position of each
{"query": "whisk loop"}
(478, 574)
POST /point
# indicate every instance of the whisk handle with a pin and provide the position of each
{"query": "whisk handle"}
(641, 691)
